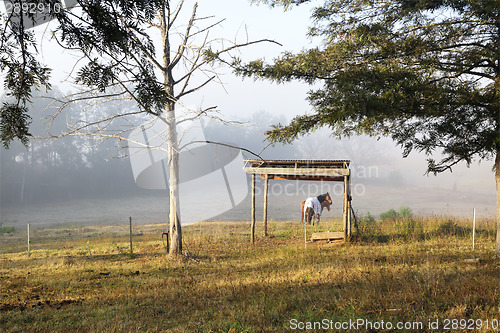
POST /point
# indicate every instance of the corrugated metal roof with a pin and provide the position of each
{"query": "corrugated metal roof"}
(299, 163)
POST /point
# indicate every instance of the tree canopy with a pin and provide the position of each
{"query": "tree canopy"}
(108, 33)
(423, 72)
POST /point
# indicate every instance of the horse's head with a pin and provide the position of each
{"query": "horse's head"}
(326, 204)
(328, 198)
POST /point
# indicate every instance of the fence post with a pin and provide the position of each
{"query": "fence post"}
(29, 253)
(252, 226)
(305, 230)
(473, 227)
(130, 219)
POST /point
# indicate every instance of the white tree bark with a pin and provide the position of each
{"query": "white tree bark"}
(175, 229)
(497, 179)
(497, 161)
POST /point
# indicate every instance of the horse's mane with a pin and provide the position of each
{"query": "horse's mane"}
(322, 197)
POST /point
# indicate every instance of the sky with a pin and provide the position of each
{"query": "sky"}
(238, 99)
(243, 21)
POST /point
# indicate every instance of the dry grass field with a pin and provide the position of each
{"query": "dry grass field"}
(406, 273)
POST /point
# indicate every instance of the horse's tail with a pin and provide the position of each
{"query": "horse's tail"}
(302, 211)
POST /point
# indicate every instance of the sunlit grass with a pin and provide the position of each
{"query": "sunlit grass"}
(84, 278)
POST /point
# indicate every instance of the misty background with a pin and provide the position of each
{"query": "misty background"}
(81, 180)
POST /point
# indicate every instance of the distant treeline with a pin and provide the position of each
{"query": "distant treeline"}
(74, 167)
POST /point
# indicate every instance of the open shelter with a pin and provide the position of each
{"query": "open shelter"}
(307, 170)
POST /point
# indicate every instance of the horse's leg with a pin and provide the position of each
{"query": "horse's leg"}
(302, 211)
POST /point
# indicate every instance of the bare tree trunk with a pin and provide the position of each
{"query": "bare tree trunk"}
(497, 172)
(175, 223)
(497, 179)
(172, 140)
(497, 159)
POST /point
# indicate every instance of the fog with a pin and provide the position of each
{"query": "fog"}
(77, 180)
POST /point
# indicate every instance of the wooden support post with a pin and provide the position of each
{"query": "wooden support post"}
(265, 205)
(252, 227)
(345, 208)
(348, 238)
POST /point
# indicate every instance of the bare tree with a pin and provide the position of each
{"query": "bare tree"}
(120, 60)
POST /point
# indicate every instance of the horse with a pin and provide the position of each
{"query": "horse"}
(311, 215)
(325, 201)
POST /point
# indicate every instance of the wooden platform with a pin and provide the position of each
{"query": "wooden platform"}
(328, 236)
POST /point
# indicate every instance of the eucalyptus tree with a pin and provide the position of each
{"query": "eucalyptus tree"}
(119, 58)
(424, 72)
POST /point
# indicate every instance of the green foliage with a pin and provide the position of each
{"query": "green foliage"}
(109, 31)
(117, 58)
(404, 222)
(22, 73)
(284, 3)
(368, 218)
(405, 213)
(6, 229)
(422, 72)
(451, 228)
(389, 215)
(368, 228)
(409, 228)
(14, 123)
(96, 74)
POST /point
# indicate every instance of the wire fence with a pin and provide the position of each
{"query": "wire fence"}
(87, 240)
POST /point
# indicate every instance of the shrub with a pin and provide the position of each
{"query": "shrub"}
(405, 213)
(368, 219)
(450, 228)
(389, 215)
(406, 226)
(6, 229)
(369, 230)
